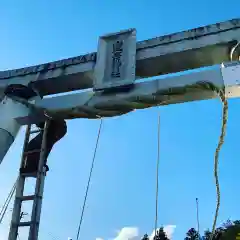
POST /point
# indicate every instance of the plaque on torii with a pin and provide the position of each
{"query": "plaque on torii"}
(116, 60)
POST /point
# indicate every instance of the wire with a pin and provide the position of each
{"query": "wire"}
(6, 203)
(9, 195)
(89, 179)
(197, 208)
(216, 158)
(157, 175)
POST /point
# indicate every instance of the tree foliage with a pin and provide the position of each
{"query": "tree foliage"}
(217, 235)
(221, 231)
(160, 235)
(145, 237)
(192, 234)
(227, 229)
(207, 234)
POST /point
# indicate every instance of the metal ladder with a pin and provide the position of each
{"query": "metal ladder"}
(36, 197)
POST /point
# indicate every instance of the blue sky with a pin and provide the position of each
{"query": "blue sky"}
(122, 192)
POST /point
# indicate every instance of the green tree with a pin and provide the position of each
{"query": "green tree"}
(236, 222)
(217, 235)
(223, 230)
(160, 235)
(227, 224)
(192, 234)
(207, 235)
(231, 232)
(145, 237)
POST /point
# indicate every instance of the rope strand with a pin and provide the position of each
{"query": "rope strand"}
(89, 179)
(157, 175)
(216, 158)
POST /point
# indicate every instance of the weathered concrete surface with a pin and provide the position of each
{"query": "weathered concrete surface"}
(162, 91)
(203, 46)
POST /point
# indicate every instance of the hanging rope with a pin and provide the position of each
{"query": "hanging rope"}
(235, 51)
(157, 175)
(6, 203)
(89, 179)
(221, 94)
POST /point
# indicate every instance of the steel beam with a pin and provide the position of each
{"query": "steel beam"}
(163, 91)
(203, 46)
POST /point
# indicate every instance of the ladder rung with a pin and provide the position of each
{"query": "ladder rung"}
(36, 131)
(32, 151)
(25, 224)
(27, 198)
(29, 174)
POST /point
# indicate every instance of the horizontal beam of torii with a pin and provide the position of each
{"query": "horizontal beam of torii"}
(109, 79)
(199, 47)
(162, 91)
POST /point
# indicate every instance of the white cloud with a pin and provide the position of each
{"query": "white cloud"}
(169, 229)
(128, 233)
(132, 233)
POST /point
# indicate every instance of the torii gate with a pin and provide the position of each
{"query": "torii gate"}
(94, 73)
(109, 79)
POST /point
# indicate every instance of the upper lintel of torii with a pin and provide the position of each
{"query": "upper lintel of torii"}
(203, 46)
(120, 61)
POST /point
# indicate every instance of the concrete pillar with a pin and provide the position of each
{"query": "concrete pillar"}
(9, 127)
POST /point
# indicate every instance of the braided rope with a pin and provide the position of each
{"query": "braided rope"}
(221, 94)
(120, 107)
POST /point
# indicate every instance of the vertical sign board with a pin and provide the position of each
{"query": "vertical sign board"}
(116, 60)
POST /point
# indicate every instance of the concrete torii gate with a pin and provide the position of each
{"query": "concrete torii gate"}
(109, 86)
(108, 78)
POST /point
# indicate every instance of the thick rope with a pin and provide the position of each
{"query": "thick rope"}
(120, 106)
(157, 175)
(236, 49)
(89, 179)
(216, 158)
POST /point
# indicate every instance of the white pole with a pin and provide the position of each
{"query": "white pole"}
(9, 127)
